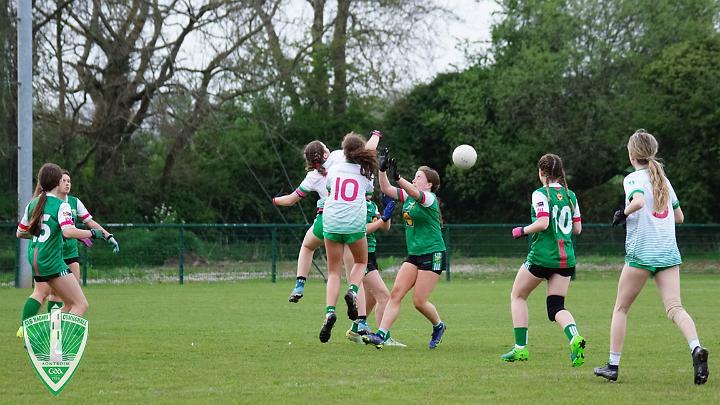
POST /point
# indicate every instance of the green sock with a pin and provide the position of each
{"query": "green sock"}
(354, 288)
(384, 334)
(329, 309)
(30, 309)
(521, 336)
(52, 304)
(571, 330)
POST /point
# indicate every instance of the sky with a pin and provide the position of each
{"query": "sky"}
(475, 19)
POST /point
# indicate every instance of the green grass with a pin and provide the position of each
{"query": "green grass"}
(243, 342)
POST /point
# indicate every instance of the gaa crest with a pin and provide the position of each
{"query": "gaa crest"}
(55, 343)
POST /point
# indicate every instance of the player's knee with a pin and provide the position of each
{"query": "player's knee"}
(555, 304)
(674, 309)
(418, 302)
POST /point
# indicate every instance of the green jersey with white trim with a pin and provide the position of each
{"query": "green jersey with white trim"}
(45, 251)
(372, 215)
(423, 232)
(650, 238)
(554, 247)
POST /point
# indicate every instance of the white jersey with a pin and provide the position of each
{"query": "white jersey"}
(336, 156)
(345, 207)
(650, 238)
(314, 181)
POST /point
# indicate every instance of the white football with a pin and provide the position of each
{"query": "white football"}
(464, 156)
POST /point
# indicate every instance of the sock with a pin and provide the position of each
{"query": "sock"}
(355, 326)
(438, 325)
(614, 359)
(30, 309)
(521, 337)
(354, 288)
(571, 330)
(330, 309)
(300, 282)
(52, 304)
(693, 343)
(383, 334)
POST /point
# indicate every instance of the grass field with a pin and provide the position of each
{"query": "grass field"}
(244, 343)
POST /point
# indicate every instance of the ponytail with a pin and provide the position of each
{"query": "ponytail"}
(661, 193)
(37, 214)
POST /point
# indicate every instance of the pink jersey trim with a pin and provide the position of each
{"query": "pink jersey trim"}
(85, 217)
(661, 215)
(422, 198)
(65, 223)
(542, 214)
(23, 227)
(578, 219)
(401, 195)
(37, 271)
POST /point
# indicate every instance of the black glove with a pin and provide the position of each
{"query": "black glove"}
(619, 218)
(383, 158)
(393, 170)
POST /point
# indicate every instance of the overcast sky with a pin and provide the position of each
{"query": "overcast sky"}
(474, 26)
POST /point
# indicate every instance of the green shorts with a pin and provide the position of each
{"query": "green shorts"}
(318, 227)
(651, 269)
(345, 238)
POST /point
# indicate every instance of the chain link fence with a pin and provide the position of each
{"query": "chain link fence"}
(227, 252)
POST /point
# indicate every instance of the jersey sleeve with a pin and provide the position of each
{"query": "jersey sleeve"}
(427, 199)
(632, 187)
(673, 197)
(540, 204)
(24, 224)
(401, 194)
(83, 212)
(576, 213)
(65, 217)
(305, 186)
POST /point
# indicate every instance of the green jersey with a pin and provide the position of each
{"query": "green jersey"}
(372, 216)
(423, 232)
(45, 252)
(79, 212)
(553, 247)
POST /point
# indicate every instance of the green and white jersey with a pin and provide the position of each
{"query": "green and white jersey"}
(423, 232)
(650, 238)
(45, 252)
(372, 215)
(314, 181)
(70, 246)
(553, 247)
(345, 208)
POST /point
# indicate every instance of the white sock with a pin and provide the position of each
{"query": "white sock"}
(614, 359)
(519, 347)
(693, 343)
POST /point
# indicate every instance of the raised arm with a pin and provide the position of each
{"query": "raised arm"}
(375, 137)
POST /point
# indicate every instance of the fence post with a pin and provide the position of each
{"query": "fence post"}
(447, 250)
(273, 274)
(181, 257)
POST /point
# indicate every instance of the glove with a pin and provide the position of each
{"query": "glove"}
(393, 170)
(385, 200)
(97, 233)
(376, 133)
(619, 218)
(387, 212)
(115, 246)
(87, 242)
(383, 159)
(518, 232)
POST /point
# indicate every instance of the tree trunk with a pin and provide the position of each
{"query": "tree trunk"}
(319, 80)
(337, 57)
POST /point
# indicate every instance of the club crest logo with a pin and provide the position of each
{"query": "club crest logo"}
(55, 343)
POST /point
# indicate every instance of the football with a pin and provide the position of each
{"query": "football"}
(464, 156)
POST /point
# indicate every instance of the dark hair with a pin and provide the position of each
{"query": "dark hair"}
(354, 148)
(551, 167)
(314, 156)
(48, 178)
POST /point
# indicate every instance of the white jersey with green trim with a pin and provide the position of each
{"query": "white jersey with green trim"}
(345, 208)
(314, 181)
(650, 238)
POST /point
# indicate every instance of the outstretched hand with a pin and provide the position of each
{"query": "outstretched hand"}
(115, 246)
(393, 170)
(619, 218)
(388, 211)
(383, 159)
(518, 232)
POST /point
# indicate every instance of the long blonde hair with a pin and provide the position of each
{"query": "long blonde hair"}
(643, 147)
